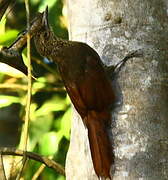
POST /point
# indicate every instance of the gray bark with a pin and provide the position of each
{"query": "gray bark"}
(140, 120)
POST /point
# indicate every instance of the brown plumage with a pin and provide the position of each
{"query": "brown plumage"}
(88, 87)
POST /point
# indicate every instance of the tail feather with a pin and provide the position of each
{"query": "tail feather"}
(101, 148)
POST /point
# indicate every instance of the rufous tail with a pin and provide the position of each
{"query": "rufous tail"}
(100, 145)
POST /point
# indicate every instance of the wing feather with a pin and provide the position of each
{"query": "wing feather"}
(94, 91)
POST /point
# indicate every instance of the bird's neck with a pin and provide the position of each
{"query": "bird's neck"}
(58, 46)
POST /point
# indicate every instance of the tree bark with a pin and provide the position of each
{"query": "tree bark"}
(140, 119)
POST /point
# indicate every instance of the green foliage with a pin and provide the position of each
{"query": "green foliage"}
(8, 37)
(49, 130)
(8, 100)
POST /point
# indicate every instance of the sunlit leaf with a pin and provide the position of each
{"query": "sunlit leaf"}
(38, 127)
(57, 103)
(61, 178)
(41, 79)
(2, 25)
(8, 37)
(8, 100)
(33, 108)
(49, 143)
(66, 123)
(38, 85)
(68, 101)
(25, 60)
(6, 69)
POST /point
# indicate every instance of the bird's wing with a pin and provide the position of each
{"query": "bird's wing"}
(94, 92)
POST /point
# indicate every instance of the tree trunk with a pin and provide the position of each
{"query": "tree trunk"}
(140, 120)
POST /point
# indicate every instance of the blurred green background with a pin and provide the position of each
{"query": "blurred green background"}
(49, 130)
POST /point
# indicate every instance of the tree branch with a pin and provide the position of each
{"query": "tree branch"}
(12, 55)
(16, 87)
(48, 162)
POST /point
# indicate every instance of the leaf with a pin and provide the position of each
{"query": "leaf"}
(10, 71)
(8, 37)
(61, 178)
(38, 127)
(57, 103)
(8, 100)
(2, 25)
(66, 123)
(49, 143)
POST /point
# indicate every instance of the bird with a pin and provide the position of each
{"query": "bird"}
(88, 86)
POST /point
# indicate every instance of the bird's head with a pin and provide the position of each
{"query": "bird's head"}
(44, 37)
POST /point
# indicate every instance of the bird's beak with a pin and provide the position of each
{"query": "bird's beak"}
(45, 18)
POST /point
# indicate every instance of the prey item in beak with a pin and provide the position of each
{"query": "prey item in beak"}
(45, 18)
